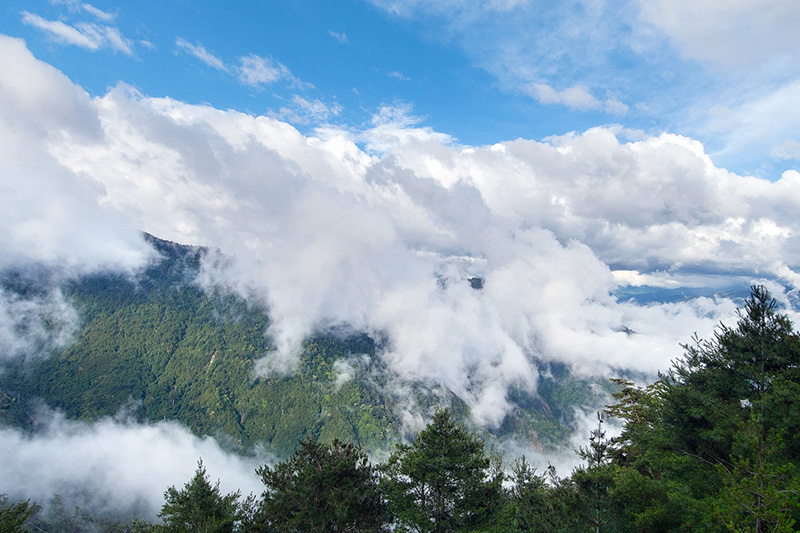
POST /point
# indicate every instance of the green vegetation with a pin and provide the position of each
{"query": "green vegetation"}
(441, 481)
(14, 516)
(320, 488)
(157, 346)
(709, 447)
(199, 506)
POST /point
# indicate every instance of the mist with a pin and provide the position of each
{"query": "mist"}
(115, 467)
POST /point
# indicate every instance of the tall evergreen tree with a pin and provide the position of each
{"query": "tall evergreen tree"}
(199, 507)
(715, 388)
(320, 488)
(441, 481)
(594, 481)
(541, 502)
(711, 445)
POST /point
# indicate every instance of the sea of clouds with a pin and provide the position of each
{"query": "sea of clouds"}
(379, 227)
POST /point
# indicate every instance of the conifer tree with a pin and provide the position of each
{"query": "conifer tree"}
(13, 517)
(441, 481)
(320, 488)
(199, 507)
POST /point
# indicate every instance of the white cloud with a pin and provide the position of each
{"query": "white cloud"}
(85, 35)
(61, 32)
(385, 237)
(253, 70)
(199, 52)
(742, 33)
(399, 76)
(533, 47)
(789, 149)
(752, 125)
(304, 111)
(613, 106)
(573, 97)
(114, 467)
(98, 13)
(76, 6)
(47, 213)
(36, 325)
(577, 98)
(464, 8)
(256, 70)
(670, 61)
(341, 38)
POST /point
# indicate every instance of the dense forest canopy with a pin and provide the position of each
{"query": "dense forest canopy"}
(708, 447)
(162, 347)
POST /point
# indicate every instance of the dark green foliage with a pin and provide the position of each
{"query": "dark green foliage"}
(713, 390)
(441, 482)
(711, 446)
(199, 507)
(156, 346)
(56, 518)
(759, 494)
(321, 487)
(539, 503)
(597, 508)
(13, 517)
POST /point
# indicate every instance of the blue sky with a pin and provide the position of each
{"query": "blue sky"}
(482, 72)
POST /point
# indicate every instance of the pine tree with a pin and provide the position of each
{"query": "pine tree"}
(199, 507)
(717, 435)
(320, 488)
(13, 517)
(594, 482)
(441, 481)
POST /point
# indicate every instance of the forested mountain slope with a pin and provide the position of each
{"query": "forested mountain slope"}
(158, 346)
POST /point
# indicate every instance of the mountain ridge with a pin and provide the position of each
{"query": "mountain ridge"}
(161, 347)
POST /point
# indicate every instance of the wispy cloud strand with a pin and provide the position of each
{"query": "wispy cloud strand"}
(85, 35)
(198, 51)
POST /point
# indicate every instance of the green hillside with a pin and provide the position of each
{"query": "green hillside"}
(157, 346)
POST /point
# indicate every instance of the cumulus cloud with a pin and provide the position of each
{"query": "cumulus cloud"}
(84, 34)
(384, 227)
(115, 467)
(48, 213)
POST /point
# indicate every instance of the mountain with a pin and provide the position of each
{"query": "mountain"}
(157, 345)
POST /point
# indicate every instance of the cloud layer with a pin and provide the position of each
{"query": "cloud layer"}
(383, 227)
(681, 63)
(115, 467)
